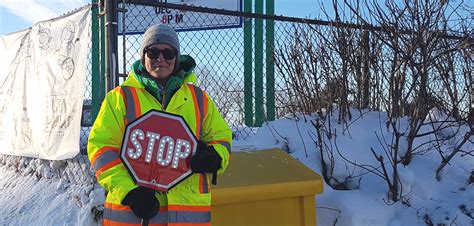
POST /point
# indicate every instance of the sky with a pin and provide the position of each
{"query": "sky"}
(16, 15)
(27, 184)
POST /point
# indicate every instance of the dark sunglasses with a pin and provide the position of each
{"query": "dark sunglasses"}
(168, 54)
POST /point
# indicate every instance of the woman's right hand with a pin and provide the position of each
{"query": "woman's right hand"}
(143, 202)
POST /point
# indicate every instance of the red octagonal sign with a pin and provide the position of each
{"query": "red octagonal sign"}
(157, 148)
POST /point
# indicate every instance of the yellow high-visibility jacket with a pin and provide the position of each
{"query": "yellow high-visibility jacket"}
(189, 202)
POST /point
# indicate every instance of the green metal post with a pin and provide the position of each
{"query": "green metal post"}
(97, 95)
(248, 95)
(270, 64)
(259, 113)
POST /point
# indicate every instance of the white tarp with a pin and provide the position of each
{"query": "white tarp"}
(42, 72)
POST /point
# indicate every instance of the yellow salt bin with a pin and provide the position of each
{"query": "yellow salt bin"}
(267, 187)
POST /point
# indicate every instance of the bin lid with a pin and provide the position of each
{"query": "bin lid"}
(262, 175)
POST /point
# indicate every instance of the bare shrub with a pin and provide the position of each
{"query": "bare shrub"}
(415, 63)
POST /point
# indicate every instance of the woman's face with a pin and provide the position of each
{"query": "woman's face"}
(160, 60)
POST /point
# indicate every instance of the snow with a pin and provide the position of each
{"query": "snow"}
(40, 192)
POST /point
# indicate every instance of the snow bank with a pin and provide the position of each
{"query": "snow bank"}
(43, 192)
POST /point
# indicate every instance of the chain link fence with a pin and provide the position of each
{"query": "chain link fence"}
(219, 54)
(317, 63)
(86, 119)
(81, 162)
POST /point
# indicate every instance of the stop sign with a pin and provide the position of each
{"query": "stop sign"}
(157, 148)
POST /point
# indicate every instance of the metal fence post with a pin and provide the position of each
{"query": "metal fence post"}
(270, 64)
(111, 44)
(97, 85)
(248, 94)
(259, 112)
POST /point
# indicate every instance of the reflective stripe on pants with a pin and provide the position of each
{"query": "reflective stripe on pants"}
(168, 215)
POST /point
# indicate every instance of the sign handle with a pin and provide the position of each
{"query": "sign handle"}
(144, 222)
(214, 178)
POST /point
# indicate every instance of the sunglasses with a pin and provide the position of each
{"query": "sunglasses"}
(168, 54)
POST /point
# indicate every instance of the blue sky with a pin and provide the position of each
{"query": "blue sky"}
(16, 15)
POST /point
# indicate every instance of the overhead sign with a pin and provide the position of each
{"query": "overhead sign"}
(138, 17)
(157, 149)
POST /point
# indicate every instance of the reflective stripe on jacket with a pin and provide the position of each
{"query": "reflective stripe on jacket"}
(188, 202)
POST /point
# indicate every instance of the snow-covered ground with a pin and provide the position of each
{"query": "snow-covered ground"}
(39, 192)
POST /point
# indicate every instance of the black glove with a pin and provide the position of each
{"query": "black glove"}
(206, 160)
(143, 202)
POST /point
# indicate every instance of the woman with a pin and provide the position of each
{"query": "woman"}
(163, 80)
